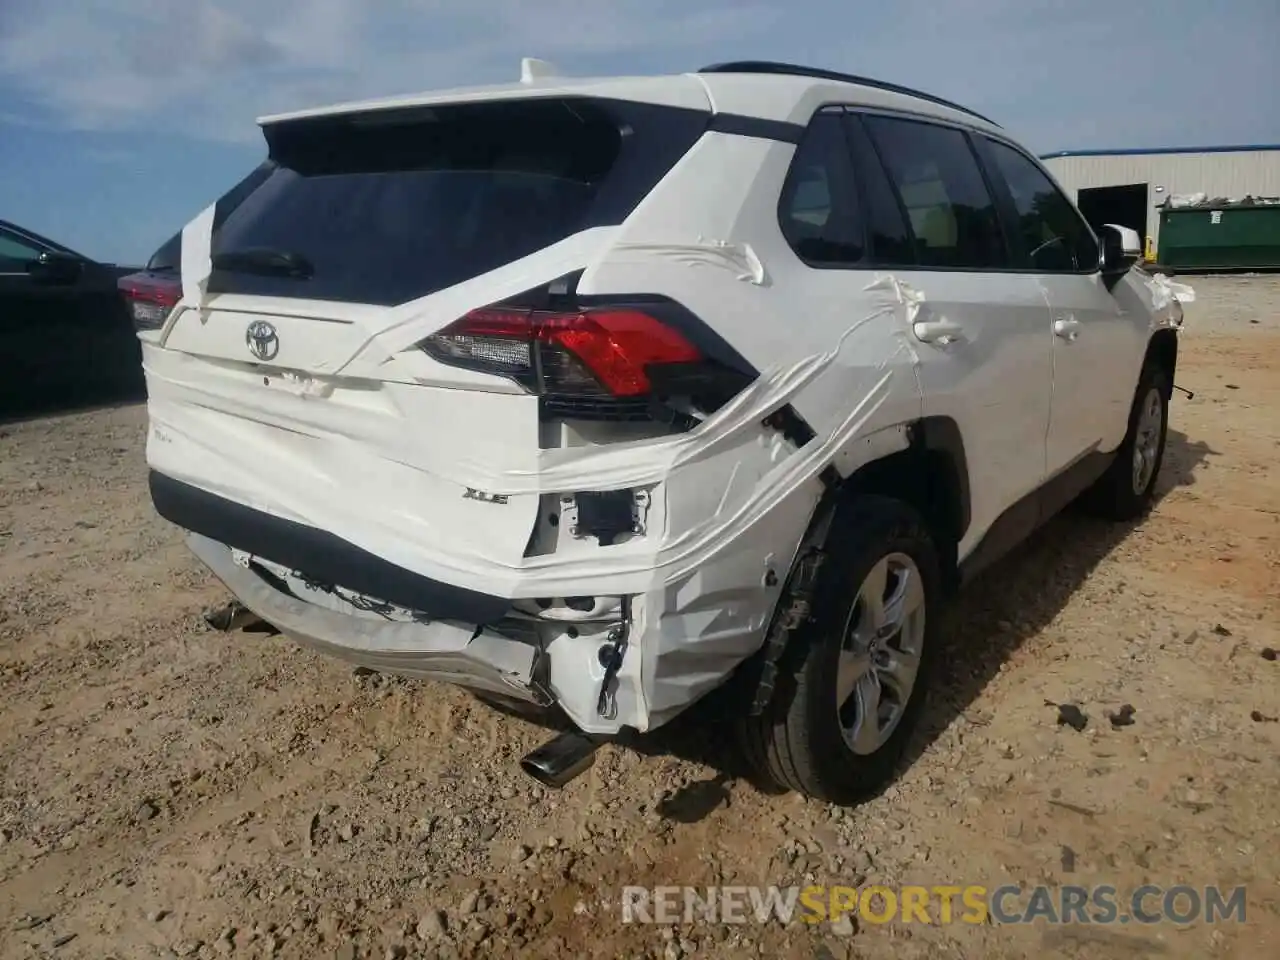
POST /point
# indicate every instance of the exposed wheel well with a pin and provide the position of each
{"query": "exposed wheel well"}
(931, 476)
(1163, 350)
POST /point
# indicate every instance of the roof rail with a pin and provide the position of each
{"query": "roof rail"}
(817, 73)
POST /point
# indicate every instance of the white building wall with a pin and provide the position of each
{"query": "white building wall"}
(1230, 174)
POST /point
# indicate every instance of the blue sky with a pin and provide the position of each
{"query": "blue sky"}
(121, 119)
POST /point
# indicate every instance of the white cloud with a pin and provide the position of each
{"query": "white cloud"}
(1062, 74)
(208, 67)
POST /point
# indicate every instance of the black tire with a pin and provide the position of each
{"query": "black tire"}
(1113, 496)
(797, 741)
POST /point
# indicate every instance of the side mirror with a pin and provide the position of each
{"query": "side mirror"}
(1121, 249)
(56, 268)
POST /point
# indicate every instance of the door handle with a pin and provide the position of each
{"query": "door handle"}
(937, 331)
(1066, 329)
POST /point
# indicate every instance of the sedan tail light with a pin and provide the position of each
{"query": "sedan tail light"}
(150, 298)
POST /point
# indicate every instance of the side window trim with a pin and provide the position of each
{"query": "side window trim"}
(967, 134)
(22, 241)
(864, 150)
(999, 191)
(859, 190)
(837, 112)
(1008, 211)
(1005, 207)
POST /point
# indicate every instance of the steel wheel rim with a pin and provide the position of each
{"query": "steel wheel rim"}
(880, 651)
(1146, 441)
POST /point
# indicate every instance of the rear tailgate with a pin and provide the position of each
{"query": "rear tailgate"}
(272, 395)
(360, 220)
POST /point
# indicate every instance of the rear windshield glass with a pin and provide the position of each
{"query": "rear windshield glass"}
(168, 257)
(385, 208)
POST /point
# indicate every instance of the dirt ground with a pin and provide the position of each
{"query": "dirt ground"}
(167, 790)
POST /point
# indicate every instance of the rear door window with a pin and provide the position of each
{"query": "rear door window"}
(16, 253)
(387, 207)
(168, 257)
(937, 178)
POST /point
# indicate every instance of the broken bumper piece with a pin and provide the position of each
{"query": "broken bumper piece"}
(611, 652)
(479, 659)
(325, 557)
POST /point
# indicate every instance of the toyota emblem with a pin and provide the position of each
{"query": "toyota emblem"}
(262, 340)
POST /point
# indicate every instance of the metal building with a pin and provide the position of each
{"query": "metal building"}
(1131, 187)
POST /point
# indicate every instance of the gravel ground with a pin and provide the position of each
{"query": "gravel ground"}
(167, 790)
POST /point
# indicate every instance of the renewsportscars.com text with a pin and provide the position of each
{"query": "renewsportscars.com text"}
(941, 904)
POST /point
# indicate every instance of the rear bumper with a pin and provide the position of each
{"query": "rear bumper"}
(440, 631)
(477, 658)
(322, 555)
(685, 631)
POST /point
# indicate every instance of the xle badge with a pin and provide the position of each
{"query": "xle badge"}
(474, 494)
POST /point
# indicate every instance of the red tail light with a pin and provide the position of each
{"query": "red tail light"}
(595, 352)
(150, 298)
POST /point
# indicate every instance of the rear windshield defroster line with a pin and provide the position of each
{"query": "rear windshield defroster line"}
(393, 206)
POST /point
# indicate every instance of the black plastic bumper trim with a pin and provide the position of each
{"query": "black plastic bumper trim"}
(318, 555)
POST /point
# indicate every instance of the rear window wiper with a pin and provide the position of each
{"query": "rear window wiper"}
(265, 261)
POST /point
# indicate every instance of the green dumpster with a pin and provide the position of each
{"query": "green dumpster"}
(1225, 236)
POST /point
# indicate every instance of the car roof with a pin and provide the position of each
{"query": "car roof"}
(776, 69)
(761, 89)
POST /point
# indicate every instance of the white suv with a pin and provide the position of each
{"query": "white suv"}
(601, 394)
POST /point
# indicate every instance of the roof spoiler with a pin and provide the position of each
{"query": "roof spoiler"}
(533, 70)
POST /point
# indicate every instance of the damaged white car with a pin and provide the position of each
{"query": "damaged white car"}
(603, 394)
